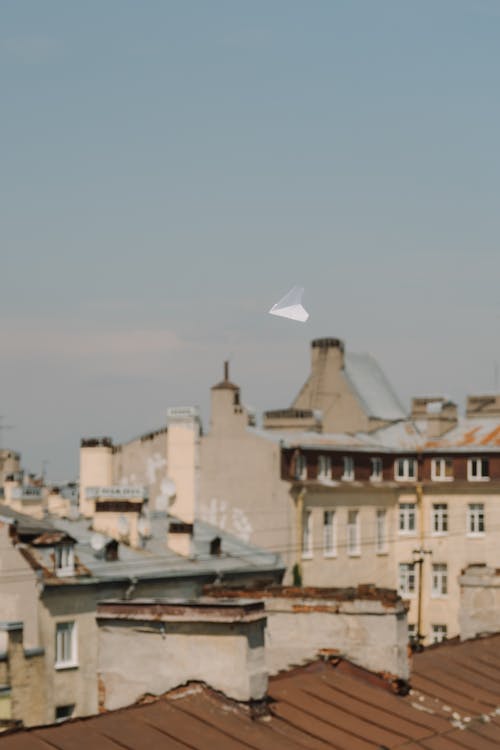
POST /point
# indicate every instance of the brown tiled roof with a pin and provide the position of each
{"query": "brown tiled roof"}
(319, 707)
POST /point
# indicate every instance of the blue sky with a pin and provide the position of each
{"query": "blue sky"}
(170, 169)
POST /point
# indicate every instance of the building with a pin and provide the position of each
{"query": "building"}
(54, 572)
(344, 484)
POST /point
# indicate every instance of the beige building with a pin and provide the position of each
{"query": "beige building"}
(345, 485)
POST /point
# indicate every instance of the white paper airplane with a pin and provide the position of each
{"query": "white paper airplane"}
(290, 306)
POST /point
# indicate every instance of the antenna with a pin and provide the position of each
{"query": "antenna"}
(2, 428)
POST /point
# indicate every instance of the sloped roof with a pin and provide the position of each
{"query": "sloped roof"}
(378, 398)
(453, 705)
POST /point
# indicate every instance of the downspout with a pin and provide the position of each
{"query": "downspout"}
(300, 536)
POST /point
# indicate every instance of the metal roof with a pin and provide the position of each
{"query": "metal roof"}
(372, 388)
(454, 705)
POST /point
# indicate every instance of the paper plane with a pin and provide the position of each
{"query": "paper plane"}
(290, 306)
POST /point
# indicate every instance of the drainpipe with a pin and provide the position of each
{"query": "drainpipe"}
(421, 552)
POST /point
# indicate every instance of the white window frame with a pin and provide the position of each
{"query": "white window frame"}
(353, 533)
(412, 632)
(64, 555)
(407, 579)
(329, 533)
(301, 466)
(439, 519)
(475, 519)
(405, 475)
(478, 463)
(377, 469)
(348, 474)
(407, 511)
(66, 641)
(439, 633)
(324, 466)
(438, 469)
(307, 535)
(439, 587)
(381, 530)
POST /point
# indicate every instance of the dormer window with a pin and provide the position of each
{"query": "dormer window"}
(64, 560)
(348, 474)
(441, 469)
(324, 467)
(376, 475)
(300, 466)
(478, 469)
(405, 469)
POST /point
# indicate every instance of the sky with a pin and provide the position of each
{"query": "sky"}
(170, 168)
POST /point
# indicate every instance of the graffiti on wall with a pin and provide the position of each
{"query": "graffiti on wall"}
(233, 520)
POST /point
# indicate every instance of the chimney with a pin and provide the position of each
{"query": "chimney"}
(117, 511)
(228, 415)
(96, 469)
(327, 348)
(154, 645)
(183, 465)
(439, 413)
(484, 405)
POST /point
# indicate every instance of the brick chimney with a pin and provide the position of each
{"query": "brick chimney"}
(439, 413)
(484, 405)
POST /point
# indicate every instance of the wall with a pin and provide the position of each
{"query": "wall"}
(26, 678)
(18, 589)
(479, 601)
(143, 461)
(152, 657)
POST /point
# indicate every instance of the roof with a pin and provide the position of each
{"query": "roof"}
(325, 705)
(372, 388)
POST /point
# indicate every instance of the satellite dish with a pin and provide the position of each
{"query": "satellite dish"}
(98, 543)
(123, 526)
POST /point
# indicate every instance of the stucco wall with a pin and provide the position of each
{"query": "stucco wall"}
(138, 658)
(18, 589)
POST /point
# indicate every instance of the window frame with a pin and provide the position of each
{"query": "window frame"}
(72, 661)
(66, 549)
(439, 477)
(439, 632)
(407, 511)
(376, 475)
(348, 473)
(353, 550)
(481, 461)
(407, 573)
(439, 514)
(381, 543)
(405, 476)
(307, 535)
(476, 511)
(325, 471)
(300, 472)
(329, 534)
(439, 581)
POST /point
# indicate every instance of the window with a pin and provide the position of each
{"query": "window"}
(64, 712)
(300, 466)
(329, 534)
(66, 655)
(439, 633)
(64, 558)
(441, 469)
(475, 518)
(324, 467)
(353, 547)
(348, 474)
(381, 531)
(440, 518)
(439, 579)
(478, 469)
(407, 518)
(405, 469)
(307, 536)
(412, 632)
(376, 474)
(406, 579)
